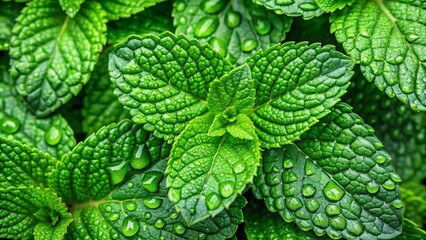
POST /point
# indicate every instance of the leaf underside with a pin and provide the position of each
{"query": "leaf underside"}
(293, 8)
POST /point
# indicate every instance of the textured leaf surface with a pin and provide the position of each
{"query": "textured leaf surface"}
(413, 196)
(105, 159)
(388, 39)
(336, 180)
(205, 174)
(164, 80)
(261, 224)
(26, 209)
(52, 55)
(411, 231)
(116, 9)
(333, 5)
(293, 8)
(71, 7)
(235, 29)
(8, 12)
(140, 208)
(296, 84)
(52, 134)
(101, 106)
(402, 130)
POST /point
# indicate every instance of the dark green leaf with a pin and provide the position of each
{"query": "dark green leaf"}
(411, 231)
(8, 12)
(294, 8)
(413, 196)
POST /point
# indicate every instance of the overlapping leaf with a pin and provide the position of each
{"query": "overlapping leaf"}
(164, 80)
(336, 180)
(235, 29)
(116, 9)
(8, 12)
(411, 231)
(413, 196)
(71, 7)
(296, 84)
(52, 55)
(333, 5)
(293, 8)
(388, 39)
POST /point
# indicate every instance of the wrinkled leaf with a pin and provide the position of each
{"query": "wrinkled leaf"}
(71, 7)
(116, 9)
(8, 12)
(333, 5)
(293, 8)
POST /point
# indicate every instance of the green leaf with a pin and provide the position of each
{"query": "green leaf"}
(234, 89)
(52, 55)
(164, 80)
(28, 211)
(139, 208)
(153, 21)
(205, 174)
(218, 127)
(21, 165)
(413, 196)
(52, 134)
(8, 12)
(293, 8)
(116, 9)
(101, 106)
(71, 7)
(235, 29)
(105, 159)
(333, 5)
(296, 84)
(411, 231)
(242, 128)
(402, 130)
(389, 43)
(336, 180)
(261, 224)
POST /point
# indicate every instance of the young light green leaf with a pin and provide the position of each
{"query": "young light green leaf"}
(296, 84)
(413, 195)
(293, 8)
(116, 9)
(101, 106)
(402, 130)
(336, 180)
(139, 208)
(389, 43)
(29, 210)
(52, 55)
(52, 134)
(164, 80)
(105, 159)
(205, 174)
(71, 7)
(234, 89)
(242, 128)
(333, 5)
(235, 29)
(8, 12)
(411, 231)
(218, 127)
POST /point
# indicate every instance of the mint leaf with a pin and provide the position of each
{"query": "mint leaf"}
(235, 29)
(164, 80)
(116, 9)
(205, 174)
(336, 180)
(333, 5)
(28, 209)
(413, 195)
(139, 208)
(8, 12)
(411, 231)
(293, 8)
(101, 106)
(243, 128)
(21, 165)
(71, 7)
(296, 84)
(234, 89)
(218, 127)
(389, 43)
(52, 55)
(52, 134)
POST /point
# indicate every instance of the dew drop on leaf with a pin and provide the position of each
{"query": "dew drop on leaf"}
(178, 228)
(232, 19)
(308, 190)
(180, 6)
(108, 208)
(249, 45)
(308, 6)
(239, 167)
(397, 204)
(288, 163)
(53, 135)
(372, 187)
(312, 204)
(151, 181)
(213, 6)
(131, 205)
(218, 45)
(174, 215)
(9, 125)
(114, 217)
(333, 192)
(226, 189)
(202, 236)
(130, 185)
(262, 26)
(118, 172)
(206, 27)
(159, 223)
(412, 37)
(114, 235)
(338, 222)
(289, 177)
(389, 185)
(130, 227)
(320, 220)
(395, 177)
(213, 201)
(309, 168)
(152, 203)
(284, 2)
(380, 159)
(332, 210)
(141, 157)
(147, 215)
(174, 195)
(355, 227)
(293, 203)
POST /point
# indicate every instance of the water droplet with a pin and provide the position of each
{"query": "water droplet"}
(389, 185)
(397, 204)
(174, 195)
(130, 185)
(141, 157)
(308, 6)
(275, 169)
(308, 190)
(114, 217)
(355, 227)
(130, 227)
(159, 223)
(108, 208)
(213, 6)
(312, 204)
(412, 37)
(206, 27)
(399, 59)
(289, 177)
(131, 206)
(182, 20)
(53, 135)
(239, 167)
(113, 234)
(152, 202)
(174, 215)
(218, 45)
(333, 192)
(226, 189)
(378, 145)
(380, 159)
(320, 220)
(249, 45)
(179, 228)
(202, 236)
(284, 2)
(293, 203)
(338, 222)
(288, 163)
(147, 215)
(262, 26)
(309, 168)
(332, 210)
(364, 33)
(118, 172)
(151, 181)
(213, 201)
(232, 18)
(180, 6)
(395, 177)
(9, 125)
